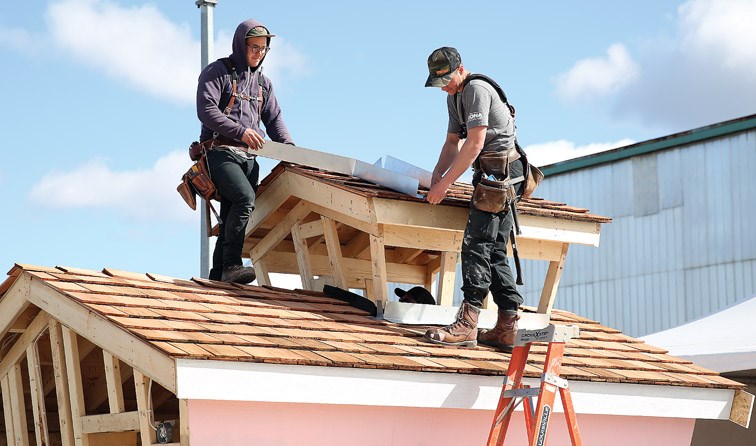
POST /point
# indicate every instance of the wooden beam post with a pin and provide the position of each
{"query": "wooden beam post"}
(19, 406)
(37, 397)
(303, 257)
(261, 270)
(61, 384)
(114, 382)
(334, 251)
(184, 422)
(446, 279)
(75, 387)
(550, 285)
(378, 263)
(8, 409)
(147, 434)
(282, 229)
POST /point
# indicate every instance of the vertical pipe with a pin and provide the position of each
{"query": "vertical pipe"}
(206, 12)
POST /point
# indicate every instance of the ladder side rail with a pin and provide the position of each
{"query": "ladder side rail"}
(545, 405)
(569, 413)
(505, 408)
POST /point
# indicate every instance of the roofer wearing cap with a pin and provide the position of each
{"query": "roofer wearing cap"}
(479, 117)
(231, 126)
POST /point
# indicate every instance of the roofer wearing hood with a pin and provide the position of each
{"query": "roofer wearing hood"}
(231, 114)
(479, 117)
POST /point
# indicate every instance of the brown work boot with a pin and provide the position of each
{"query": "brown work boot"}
(238, 274)
(502, 336)
(462, 332)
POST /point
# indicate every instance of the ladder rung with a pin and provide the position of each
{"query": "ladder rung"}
(520, 393)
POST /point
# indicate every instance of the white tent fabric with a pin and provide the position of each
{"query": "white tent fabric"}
(723, 342)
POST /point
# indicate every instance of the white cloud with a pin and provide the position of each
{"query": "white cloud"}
(705, 73)
(555, 151)
(142, 193)
(721, 30)
(141, 47)
(596, 77)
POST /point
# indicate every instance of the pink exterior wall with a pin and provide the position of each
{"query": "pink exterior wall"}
(226, 423)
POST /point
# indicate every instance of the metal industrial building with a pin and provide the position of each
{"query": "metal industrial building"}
(682, 243)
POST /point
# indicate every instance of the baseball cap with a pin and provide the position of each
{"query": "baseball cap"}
(441, 65)
(259, 31)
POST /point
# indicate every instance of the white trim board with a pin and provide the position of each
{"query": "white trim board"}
(260, 382)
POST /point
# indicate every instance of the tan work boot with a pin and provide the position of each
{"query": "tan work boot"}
(462, 332)
(502, 336)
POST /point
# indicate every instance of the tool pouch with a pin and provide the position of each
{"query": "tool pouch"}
(495, 163)
(492, 196)
(197, 181)
(195, 150)
(533, 178)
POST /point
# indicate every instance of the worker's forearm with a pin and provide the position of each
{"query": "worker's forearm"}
(448, 154)
(463, 161)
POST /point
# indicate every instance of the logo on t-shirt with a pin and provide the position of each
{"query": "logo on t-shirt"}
(474, 115)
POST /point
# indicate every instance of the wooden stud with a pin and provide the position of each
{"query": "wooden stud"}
(75, 385)
(38, 400)
(85, 347)
(184, 422)
(61, 384)
(367, 227)
(146, 419)
(446, 279)
(378, 264)
(15, 383)
(423, 238)
(132, 350)
(8, 409)
(334, 251)
(311, 229)
(114, 382)
(550, 285)
(303, 258)
(275, 235)
(261, 270)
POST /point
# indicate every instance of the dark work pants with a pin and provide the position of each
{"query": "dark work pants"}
(236, 178)
(484, 256)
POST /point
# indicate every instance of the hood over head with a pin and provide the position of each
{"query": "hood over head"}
(239, 45)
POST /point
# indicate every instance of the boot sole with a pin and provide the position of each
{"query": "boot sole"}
(506, 348)
(472, 343)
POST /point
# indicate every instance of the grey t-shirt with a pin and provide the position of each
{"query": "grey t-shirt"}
(482, 106)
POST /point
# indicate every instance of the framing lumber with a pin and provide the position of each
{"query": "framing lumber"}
(113, 422)
(554, 229)
(184, 422)
(61, 384)
(103, 333)
(303, 257)
(261, 271)
(114, 382)
(13, 303)
(17, 353)
(446, 279)
(422, 238)
(357, 223)
(419, 214)
(141, 383)
(24, 319)
(550, 285)
(311, 229)
(378, 265)
(16, 386)
(41, 430)
(280, 232)
(357, 245)
(406, 255)
(75, 388)
(334, 251)
(269, 203)
(8, 410)
(341, 201)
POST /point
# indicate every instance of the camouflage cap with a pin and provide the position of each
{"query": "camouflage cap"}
(259, 31)
(441, 65)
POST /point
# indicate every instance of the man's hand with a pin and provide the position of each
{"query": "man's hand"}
(252, 139)
(437, 192)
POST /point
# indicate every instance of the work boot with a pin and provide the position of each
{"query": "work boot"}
(462, 332)
(238, 274)
(502, 336)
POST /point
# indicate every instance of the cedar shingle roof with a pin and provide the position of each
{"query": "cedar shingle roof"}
(201, 319)
(459, 194)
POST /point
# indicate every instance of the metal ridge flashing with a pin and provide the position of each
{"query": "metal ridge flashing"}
(665, 142)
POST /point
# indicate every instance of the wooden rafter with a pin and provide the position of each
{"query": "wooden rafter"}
(357, 245)
(13, 304)
(17, 353)
(281, 231)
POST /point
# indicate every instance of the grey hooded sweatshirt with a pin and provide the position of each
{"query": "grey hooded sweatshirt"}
(214, 92)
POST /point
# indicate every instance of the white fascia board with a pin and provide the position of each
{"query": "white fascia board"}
(259, 382)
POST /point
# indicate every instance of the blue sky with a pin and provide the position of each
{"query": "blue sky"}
(99, 108)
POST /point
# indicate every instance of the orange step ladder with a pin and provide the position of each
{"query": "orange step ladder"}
(536, 420)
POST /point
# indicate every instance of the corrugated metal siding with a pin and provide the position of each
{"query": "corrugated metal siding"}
(693, 255)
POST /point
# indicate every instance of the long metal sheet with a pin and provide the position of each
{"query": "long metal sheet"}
(387, 178)
(407, 169)
(307, 157)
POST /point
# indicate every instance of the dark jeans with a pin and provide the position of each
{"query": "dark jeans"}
(484, 257)
(236, 179)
